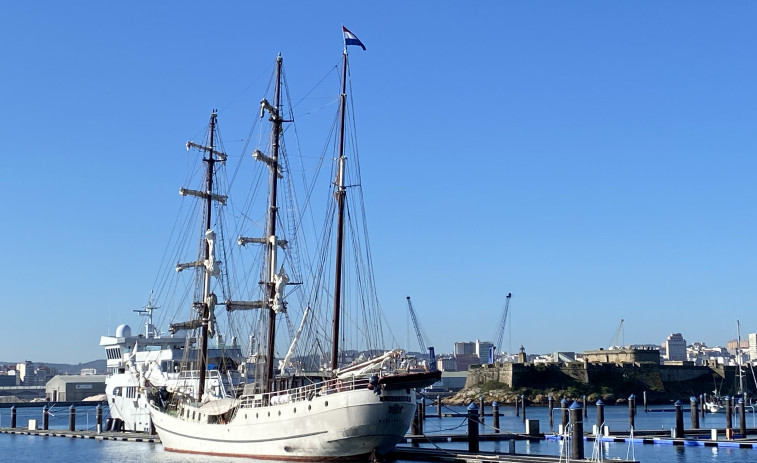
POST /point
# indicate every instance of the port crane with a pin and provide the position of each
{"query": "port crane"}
(617, 336)
(499, 334)
(422, 338)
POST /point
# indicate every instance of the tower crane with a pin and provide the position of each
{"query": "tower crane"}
(499, 334)
(616, 337)
(422, 338)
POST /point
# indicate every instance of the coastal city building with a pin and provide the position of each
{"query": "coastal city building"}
(675, 348)
(752, 340)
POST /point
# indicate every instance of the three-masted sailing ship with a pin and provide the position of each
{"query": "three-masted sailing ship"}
(342, 411)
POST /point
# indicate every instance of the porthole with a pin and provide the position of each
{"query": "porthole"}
(308, 407)
(326, 403)
(294, 410)
(256, 415)
(269, 414)
(279, 412)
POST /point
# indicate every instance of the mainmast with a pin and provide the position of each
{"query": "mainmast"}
(275, 282)
(206, 307)
(271, 244)
(340, 198)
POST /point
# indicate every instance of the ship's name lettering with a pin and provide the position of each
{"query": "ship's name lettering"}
(395, 399)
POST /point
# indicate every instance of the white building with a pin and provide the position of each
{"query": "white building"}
(752, 347)
(675, 348)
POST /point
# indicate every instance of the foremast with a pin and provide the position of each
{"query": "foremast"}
(205, 307)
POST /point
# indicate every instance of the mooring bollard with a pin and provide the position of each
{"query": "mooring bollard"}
(472, 427)
(45, 418)
(742, 418)
(551, 401)
(495, 415)
(630, 411)
(438, 406)
(600, 416)
(99, 418)
(564, 413)
(71, 418)
(577, 432)
(694, 412)
(523, 403)
(583, 404)
(679, 420)
(13, 416)
(728, 411)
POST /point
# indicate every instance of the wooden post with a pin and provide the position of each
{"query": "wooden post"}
(472, 427)
(694, 412)
(679, 420)
(481, 409)
(495, 415)
(577, 433)
(728, 411)
(742, 418)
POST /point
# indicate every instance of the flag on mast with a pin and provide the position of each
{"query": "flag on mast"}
(351, 39)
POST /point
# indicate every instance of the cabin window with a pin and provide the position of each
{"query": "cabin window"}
(113, 353)
(117, 391)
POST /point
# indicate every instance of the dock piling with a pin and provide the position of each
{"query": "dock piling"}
(495, 415)
(472, 427)
(564, 413)
(742, 418)
(481, 408)
(577, 432)
(72, 418)
(45, 418)
(551, 409)
(523, 404)
(694, 412)
(99, 418)
(631, 400)
(438, 406)
(728, 412)
(644, 398)
(583, 404)
(517, 406)
(13, 416)
(678, 434)
(600, 415)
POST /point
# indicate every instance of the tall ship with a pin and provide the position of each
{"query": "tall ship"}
(332, 388)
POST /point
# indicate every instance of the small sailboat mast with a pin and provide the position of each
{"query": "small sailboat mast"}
(340, 194)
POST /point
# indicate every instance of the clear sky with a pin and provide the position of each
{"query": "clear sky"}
(596, 159)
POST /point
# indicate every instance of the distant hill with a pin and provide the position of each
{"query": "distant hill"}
(71, 369)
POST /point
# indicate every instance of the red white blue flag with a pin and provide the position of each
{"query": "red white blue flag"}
(351, 39)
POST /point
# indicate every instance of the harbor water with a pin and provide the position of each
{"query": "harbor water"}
(27, 449)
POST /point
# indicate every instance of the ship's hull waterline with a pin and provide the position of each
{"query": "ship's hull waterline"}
(349, 424)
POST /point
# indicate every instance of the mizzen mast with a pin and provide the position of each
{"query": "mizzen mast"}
(340, 194)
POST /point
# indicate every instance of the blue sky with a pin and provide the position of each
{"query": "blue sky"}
(595, 159)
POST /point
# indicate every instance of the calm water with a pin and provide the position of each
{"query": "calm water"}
(28, 449)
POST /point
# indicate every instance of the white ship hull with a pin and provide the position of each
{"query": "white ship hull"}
(347, 424)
